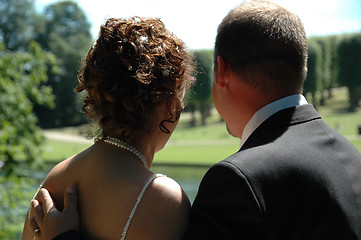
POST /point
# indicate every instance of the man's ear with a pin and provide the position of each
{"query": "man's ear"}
(221, 72)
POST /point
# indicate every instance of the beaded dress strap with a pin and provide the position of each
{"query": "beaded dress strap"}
(140, 196)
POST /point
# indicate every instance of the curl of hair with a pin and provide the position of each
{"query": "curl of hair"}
(135, 65)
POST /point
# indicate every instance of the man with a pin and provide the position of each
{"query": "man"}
(294, 177)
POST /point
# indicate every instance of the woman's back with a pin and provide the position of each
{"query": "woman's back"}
(135, 76)
(109, 181)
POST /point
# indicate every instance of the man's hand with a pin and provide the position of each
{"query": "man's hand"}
(49, 219)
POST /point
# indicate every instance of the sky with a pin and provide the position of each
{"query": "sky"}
(196, 21)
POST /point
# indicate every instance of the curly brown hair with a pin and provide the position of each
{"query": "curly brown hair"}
(135, 65)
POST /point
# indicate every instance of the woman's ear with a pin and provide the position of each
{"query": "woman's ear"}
(176, 107)
(171, 110)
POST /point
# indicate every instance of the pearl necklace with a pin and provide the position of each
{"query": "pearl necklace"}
(121, 144)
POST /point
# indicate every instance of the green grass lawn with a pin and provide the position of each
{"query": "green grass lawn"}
(188, 151)
(204, 153)
(336, 114)
(55, 150)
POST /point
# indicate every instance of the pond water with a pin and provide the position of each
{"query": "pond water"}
(189, 177)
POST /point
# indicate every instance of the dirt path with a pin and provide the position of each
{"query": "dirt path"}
(53, 135)
(60, 136)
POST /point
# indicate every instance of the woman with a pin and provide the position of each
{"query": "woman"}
(135, 77)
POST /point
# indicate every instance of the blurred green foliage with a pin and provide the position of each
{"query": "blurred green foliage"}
(334, 61)
(21, 77)
(15, 195)
(350, 67)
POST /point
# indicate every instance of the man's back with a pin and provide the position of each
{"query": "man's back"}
(294, 178)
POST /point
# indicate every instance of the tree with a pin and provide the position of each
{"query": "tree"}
(200, 95)
(334, 81)
(325, 65)
(17, 23)
(349, 52)
(312, 83)
(67, 35)
(21, 78)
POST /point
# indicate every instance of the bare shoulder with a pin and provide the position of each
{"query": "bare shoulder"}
(168, 187)
(164, 211)
(63, 174)
(168, 195)
(57, 180)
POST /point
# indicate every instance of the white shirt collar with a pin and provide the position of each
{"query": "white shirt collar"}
(265, 112)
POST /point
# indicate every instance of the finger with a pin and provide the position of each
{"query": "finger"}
(36, 213)
(70, 199)
(46, 200)
(33, 224)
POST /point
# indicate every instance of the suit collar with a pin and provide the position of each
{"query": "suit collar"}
(268, 110)
(287, 117)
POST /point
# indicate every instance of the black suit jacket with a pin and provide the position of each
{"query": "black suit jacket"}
(294, 178)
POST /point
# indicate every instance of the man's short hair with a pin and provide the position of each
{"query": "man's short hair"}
(265, 43)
